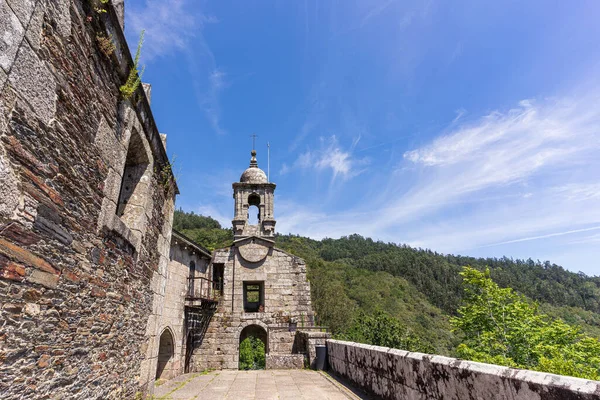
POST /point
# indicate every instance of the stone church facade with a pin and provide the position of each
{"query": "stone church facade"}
(264, 290)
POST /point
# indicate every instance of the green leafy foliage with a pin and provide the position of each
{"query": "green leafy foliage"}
(189, 220)
(342, 296)
(203, 230)
(252, 353)
(502, 327)
(135, 75)
(381, 329)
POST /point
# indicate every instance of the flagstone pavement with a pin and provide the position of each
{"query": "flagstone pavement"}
(263, 385)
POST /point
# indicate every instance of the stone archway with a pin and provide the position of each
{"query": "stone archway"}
(253, 347)
(166, 353)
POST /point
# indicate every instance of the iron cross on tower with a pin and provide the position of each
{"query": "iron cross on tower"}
(254, 136)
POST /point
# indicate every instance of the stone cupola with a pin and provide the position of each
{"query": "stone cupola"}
(253, 189)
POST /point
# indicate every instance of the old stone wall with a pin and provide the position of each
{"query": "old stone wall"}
(79, 280)
(286, 301)
(397, 374)
(176, 289)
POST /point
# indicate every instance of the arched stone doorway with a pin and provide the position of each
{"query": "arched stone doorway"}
(166, 352)
(253, 347)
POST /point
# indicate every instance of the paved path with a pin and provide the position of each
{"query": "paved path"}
(264, 385)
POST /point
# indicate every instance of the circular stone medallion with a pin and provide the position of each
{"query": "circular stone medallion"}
(253, 252)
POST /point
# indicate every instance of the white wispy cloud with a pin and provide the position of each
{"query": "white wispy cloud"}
(170, 25)
(209, 98)
(506, 148)
(524, 175)
(330, 156)
(549, 235)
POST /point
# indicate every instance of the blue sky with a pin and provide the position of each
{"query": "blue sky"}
(466, 127)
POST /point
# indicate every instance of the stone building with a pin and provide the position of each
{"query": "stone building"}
(188, 263)
(263, 290)
(86, 207)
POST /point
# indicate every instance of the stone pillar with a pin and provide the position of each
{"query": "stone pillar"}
(119, 6)
(148, 90)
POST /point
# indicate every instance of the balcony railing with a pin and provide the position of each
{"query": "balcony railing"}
(200, 288)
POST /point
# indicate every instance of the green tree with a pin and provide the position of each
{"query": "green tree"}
(500, 326)
(252, 353)
(381, 329)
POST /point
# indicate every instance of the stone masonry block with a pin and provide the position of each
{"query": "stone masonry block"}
(112, 185)
(34, 30)
(110, 148)
(9, 188)
(22, 9)
(34, 82)
(61, 14)
(3, 124)
(46, 279)
(11, 34)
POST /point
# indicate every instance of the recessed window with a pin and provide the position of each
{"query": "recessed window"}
(191, 280)
(254, 297)
(134, 187)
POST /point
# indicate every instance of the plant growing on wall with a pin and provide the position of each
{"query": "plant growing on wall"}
(135, 75)
(166, 177)
(99, 5)
(106, 44)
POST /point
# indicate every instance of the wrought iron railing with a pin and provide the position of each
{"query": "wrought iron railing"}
(200, 288)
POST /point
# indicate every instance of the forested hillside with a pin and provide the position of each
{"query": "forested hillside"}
(353, 278)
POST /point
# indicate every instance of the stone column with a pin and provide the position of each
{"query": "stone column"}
(119, 6)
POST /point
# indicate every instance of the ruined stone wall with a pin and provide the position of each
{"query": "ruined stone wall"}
(78, 282)
(397, 374)
(286, 299)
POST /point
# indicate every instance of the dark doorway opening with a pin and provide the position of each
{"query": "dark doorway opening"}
(166, 351)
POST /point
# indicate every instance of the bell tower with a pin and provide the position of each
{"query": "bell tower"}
(253, 190)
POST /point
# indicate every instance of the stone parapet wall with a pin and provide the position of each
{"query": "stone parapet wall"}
(81, 287)
(287, 361)
(397, 374)
(306, 342)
